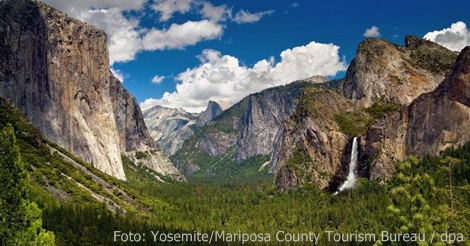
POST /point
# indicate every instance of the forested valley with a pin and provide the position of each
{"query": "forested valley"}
(427, 195)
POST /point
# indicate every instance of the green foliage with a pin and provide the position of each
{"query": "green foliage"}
(418, 198)
(409, 201)
(20, 219)
(353, 123)
(380, 109)
(141, 155)
(434, 58)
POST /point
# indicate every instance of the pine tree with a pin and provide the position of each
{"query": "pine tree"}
(20, 219)
(409, 201)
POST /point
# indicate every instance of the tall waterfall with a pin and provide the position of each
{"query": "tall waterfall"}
(351, 179)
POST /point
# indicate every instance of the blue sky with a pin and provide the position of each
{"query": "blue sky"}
(224, 50)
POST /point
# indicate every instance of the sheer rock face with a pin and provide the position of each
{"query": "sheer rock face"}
(169, 127)
(56, 70)
(314, 134)
(261, 122)
(133, 133)
(213, 110)
(430, 124)
(383, 71)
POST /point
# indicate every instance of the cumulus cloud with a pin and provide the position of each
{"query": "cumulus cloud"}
(215, 13)
(167, 8)
(157, 79)
(244, 16)
(372, 32)
(126, 38)
(455, 38)
(222, 78)
(179, 36)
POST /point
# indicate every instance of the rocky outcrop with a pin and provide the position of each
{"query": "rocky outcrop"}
(384, 145)
(312, 147)
(133, 133)
(317, 79)
(213, 109)
(264, 117)
(169, 127)
(134, 136)
(216, 144)
(432, 123)
(382, 71)
(154, 160)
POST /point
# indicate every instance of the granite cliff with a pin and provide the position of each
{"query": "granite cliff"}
(433, 122)
(213, 110)
(382, 71)
(55, 69)
(311, 146)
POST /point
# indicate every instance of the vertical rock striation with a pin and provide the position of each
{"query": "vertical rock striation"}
(432, 123)
(55, 69)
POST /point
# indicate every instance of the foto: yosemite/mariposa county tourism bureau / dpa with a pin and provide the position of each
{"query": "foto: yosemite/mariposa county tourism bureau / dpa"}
(286, 237)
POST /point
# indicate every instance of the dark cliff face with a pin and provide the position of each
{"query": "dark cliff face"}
(133, 132)
(382, 71)
(430, 124)
(441, 119)
(55, 69)
(213, 110)
(312, 147)
(263, 119)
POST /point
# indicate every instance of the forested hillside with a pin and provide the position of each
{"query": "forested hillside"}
(427, 195)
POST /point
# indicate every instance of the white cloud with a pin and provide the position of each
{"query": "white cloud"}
(372, 32)
(118, 74)
(167, 8)
(243, 16)
(157, 79)
(222, 77)
(455, 38)
(179, 36)
(215, 13)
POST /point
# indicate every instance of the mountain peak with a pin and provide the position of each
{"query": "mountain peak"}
(316, 79)
(214, 108)
(457, 84)
(383, 71)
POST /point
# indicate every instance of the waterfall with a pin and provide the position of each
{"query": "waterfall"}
(351, 179)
